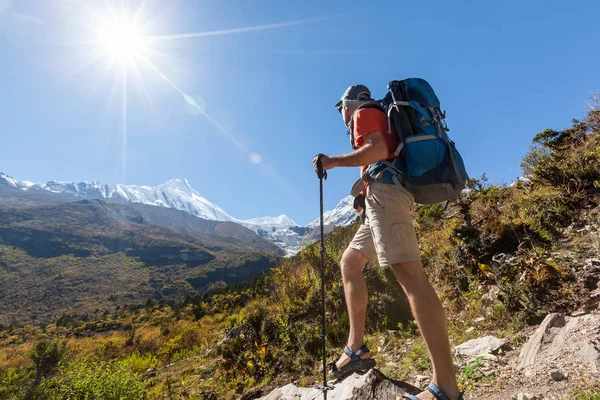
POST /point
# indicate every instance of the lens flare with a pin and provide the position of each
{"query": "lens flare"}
(123, 40)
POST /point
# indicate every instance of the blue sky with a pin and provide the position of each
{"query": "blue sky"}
(503, 71)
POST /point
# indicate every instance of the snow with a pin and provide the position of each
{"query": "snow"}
(6, 180)
(277, 231)
(282, 220)
(526, 179)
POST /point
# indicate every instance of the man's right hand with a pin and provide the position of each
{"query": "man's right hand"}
(321, 163)
(359, 203)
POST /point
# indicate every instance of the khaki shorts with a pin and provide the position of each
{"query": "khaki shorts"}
(388, 231)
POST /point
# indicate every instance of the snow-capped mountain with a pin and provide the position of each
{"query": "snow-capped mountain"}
(8, 181)
(178, 194)
(343, 214)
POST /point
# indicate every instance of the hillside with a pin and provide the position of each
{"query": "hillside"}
(89, 256)
(503, 258)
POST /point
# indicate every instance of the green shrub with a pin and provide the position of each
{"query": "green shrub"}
(429, 216)
(183, 343)
(15, 383)
(94, 379)
(139, 363)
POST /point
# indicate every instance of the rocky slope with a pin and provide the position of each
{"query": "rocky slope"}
(560, 353)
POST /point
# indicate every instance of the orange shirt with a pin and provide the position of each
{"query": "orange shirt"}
(369, 120)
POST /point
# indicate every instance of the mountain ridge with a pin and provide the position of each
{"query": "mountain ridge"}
(180, 195)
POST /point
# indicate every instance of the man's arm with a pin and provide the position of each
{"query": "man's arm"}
(375, 149)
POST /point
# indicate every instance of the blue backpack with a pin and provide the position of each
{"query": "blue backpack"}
(427, 164)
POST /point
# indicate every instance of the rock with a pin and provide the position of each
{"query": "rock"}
(235, 332)
(421, 380)
(386, 347)
(526, 396)
(532, 347)
(471, 329)
(475, 347)
(370, 385)
(564, 344)
(589, 353)
(557, 375)
(490, 357)
(492, 294)
(392, 333)
(592, 262)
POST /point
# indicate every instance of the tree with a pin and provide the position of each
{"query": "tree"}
(46, 355)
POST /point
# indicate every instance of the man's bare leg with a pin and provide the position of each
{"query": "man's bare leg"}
(431, 320)
(355, 290)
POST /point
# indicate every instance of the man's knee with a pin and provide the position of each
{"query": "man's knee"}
(352, 261)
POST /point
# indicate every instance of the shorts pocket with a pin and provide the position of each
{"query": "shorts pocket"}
(374, 199)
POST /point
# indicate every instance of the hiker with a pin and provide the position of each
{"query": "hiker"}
(386, 232)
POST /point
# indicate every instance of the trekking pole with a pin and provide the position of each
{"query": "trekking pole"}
(322, 175)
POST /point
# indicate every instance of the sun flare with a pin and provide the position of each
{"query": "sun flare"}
(123, 41)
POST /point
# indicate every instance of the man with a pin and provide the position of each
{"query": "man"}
(388, 233)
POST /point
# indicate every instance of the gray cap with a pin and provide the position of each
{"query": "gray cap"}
(353, 93)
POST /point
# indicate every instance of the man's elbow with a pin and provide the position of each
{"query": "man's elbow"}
(374, 154)
(381, 151)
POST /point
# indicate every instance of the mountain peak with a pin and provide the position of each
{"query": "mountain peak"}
(180, 184)
(6, 180)
(342, 214)
(9, 181)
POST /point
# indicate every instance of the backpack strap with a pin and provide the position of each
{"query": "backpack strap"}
(400, 117)
(412, 118)
(377, 174)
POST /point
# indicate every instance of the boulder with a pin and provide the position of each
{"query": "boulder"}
(476, 347)
(565, 344)
(370, 385)
(531, 349)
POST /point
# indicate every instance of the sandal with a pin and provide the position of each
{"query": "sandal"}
(355, 364)
(435, 391)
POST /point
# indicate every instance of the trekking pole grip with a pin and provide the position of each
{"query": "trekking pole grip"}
(321, 172)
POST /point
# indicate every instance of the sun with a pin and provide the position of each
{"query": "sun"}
(123, 40)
